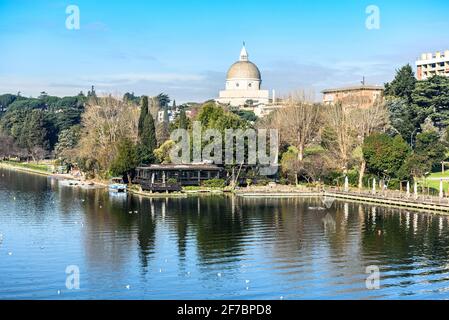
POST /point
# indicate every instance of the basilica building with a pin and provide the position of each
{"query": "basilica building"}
(243, 85)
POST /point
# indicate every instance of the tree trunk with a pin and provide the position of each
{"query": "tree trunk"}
(300, 153)
(362, 173)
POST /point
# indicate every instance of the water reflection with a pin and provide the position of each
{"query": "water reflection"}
(212, 246)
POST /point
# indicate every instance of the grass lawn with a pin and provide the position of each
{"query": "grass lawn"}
(29, 165)
(435, 183)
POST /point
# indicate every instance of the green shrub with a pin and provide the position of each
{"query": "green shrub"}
(214, 183)
(172, 181)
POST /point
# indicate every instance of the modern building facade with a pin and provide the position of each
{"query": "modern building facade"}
(429, 65)
(363, 96)
(243, 84)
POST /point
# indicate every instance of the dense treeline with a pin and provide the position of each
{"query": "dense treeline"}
(403, 136)
(35, 124)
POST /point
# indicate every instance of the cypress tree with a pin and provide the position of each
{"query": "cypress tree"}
(182, 120)
(143, 114)
(148, 140)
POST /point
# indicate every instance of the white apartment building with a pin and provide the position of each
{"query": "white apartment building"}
(429, 65)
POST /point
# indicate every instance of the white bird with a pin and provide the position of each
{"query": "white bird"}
(219, 274)
(128, 286)
(247, 288)
(160, 270)
(59, 291)
(136, 211)
(14, 198)
(9, 253)
(246, 281)
(282, 298)
(130, 212)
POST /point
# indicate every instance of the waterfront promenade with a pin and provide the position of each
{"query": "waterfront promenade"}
(385, 197)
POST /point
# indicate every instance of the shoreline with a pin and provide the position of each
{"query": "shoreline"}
(8, 166)
(262, 192)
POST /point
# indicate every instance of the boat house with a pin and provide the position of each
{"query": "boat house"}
(171, 177)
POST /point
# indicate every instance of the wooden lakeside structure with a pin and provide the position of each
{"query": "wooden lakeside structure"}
(387, 197)
(172, 177)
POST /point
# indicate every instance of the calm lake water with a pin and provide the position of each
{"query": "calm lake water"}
(211, 247)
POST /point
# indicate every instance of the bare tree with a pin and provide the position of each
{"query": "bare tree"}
(106, 121)
(339, 136)
(298, 123)
(367, 121)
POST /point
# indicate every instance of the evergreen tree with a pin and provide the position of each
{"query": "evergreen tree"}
(148, 141)
(430, 148)
(431, 98)
(143, 114)
(163, 99)
(126, 159)
(403, 84)
(162, 133)
(182, 120)
(384, 154)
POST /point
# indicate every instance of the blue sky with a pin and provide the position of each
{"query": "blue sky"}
(184, 47)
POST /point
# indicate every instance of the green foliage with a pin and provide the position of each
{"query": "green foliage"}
(163, 99)
(143, 114)
(5, 101)
(148, 141)
(37, 123)
(212, 116)
(403, 84)
(385, 155)
(246, 115)
(172, 181)
(89, 166)
(290, 165)
(432, 98)
(430, 148)
(214, 183)
(67, 140)
(415, 165)
(183, 124)
(126, 159)
(162, 153)
(130, 97)
(405, 118)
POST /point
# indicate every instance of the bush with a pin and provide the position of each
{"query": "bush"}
(214, 183)
(172, 181)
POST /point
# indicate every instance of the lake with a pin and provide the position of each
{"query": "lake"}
(212, 247)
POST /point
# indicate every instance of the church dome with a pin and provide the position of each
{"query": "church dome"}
(243, 70)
